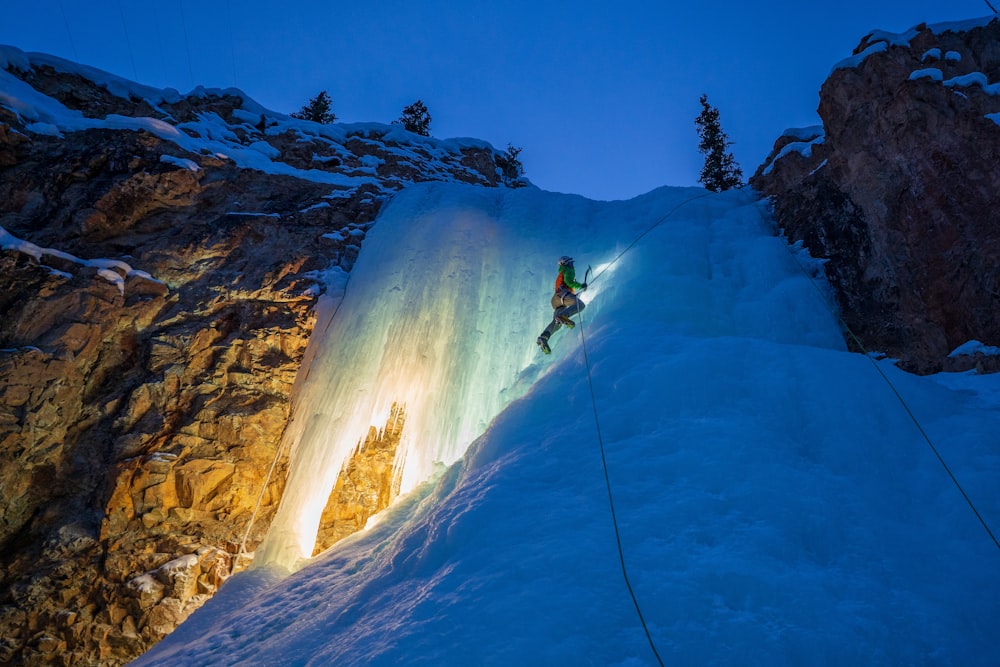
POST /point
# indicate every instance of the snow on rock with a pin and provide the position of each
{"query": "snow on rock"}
(145, 584)
(113, 278)
(184, 163)
(974, 347)
(927, 73)
(804, 133)
(974, 79)
(251, 214)
(803, 148)
(961, 26)
(253, 137)
(819, 166)
(114, 271)
(185, 562)
(321, 204)
(855, 60)
(880, 40)
(799, 140)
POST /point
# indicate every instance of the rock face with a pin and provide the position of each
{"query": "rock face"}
(367, 485)
(157, 292)
(899, 189)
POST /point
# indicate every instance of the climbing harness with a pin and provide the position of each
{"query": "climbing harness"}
(930, 443)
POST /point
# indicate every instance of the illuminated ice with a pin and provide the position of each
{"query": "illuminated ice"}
(440, 316)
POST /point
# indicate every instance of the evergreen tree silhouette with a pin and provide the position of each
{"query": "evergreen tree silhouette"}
(318, 110)
(720, 172)
(510, 165)
(415, 118)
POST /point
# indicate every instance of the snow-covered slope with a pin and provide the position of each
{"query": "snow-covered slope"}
(776, 503)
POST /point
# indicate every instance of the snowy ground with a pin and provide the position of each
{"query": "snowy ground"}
(776, 503)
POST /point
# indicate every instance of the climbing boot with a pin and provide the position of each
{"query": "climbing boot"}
(565, 321)
(543, 343)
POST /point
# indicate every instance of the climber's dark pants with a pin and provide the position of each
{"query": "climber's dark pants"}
(565, 304)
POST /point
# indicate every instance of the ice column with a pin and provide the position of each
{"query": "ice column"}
(440, 315)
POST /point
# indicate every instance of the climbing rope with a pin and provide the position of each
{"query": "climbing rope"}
(656, 224)
(930, 443)
(611, 500)
(69, 31)
(256, 508)
(600, 437)
(277, 451)
(128, 41)
(187, 44)
(232, 43)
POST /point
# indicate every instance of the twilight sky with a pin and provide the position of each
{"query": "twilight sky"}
(601, 96)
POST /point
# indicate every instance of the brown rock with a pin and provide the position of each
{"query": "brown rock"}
(10, 142)
(164, 617)
(901, 194)
(366, 486)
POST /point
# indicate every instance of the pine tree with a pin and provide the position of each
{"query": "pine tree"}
(415, 118)
(721, 172)
(318, 110)
(510, 165)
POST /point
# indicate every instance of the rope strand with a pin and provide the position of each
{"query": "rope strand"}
(930, 443)
(128, 41)
(611, 501)
(277, 452)
(600, 437)
(643, 234)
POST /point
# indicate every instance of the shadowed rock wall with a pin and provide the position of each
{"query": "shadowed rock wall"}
(899, 188)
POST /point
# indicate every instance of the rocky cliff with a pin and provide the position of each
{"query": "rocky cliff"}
(899, 189)
(161, 260)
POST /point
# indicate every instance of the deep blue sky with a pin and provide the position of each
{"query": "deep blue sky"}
(601, 96)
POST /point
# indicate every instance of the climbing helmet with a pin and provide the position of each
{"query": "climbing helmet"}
(565, 260)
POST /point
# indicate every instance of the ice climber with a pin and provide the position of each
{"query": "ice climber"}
(565, 302)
